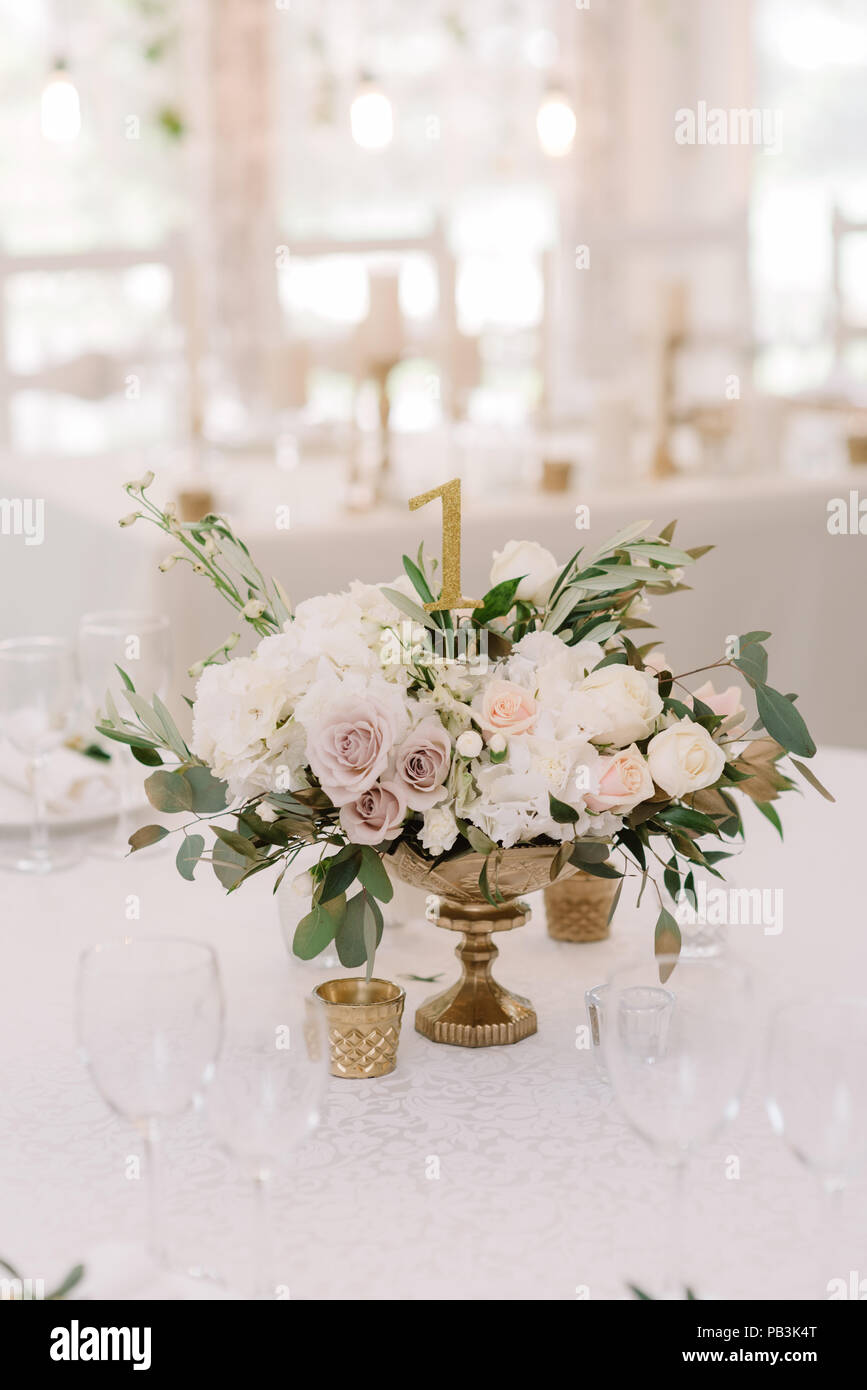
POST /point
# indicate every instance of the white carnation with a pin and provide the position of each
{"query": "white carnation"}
(440, 829)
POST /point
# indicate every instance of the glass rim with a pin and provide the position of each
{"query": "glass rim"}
(28, 648)
(104, 622)
(110, 949)
(728, 963)
(809, 1002)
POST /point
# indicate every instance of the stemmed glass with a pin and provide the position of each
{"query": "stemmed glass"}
(38, 703)
(677, 1057)
(266, 1099)
(817, 1091)
(139, 643)
(150, 1021)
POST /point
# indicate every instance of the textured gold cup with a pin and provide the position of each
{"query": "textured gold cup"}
(577, 908)
(477, 1011)
(363, 1018)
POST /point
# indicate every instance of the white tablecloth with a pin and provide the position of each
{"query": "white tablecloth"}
(775, 565)
(543, 1190)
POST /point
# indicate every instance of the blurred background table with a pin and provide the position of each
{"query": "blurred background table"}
(775, 565)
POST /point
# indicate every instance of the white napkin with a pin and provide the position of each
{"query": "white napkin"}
(72, 782)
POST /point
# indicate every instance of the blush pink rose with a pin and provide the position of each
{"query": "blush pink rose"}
(422, 763)
(724, 702)
(348, 747)
(624, 780)
(376, 815)
(505, 708)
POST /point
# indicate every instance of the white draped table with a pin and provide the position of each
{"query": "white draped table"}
(542, 1191)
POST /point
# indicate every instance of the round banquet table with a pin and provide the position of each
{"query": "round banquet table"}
(502, 1172)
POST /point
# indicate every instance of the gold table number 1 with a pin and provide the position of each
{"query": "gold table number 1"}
(451, 596)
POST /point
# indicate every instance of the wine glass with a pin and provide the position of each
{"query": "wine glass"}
(150, 1021)
(266, 1099)
(817, 1092)
(38, 699)
(139, 643)
(677, 1057)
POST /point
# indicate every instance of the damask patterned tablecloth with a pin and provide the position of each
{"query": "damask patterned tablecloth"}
(502, 1172)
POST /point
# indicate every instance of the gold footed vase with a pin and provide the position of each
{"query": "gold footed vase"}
(477, 1011)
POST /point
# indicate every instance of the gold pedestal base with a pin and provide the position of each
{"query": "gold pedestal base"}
(477, 1011)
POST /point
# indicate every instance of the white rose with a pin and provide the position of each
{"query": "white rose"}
(538, 566)
(684, 758)
(440, 830)
(628, 700)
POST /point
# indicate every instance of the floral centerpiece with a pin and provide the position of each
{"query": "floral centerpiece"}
(362, 723)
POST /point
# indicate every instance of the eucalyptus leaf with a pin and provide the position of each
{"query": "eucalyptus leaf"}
(783, 721)
(147, 835)
(339, 874)
(189, 853)
(369, 932)
(666, 941)
(350, 938)
(239, 843)
(209, 793)
(374, 876)
(229, 866)
(313, 933)
(480, 842)
(169, 791)
(589, 851)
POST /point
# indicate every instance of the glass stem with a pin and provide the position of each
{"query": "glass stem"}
(39, 828)
(833, 1224)
(675, 1284)
(126, 763)
(153, 1176)
(263, 1269)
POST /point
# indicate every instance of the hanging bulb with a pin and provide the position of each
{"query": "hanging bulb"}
(556, 123)
(60, 110)
(371, 117)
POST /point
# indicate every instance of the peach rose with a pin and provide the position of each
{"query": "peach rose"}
(376, 815)
(624, 780)
(725, 702)
(505, 708)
